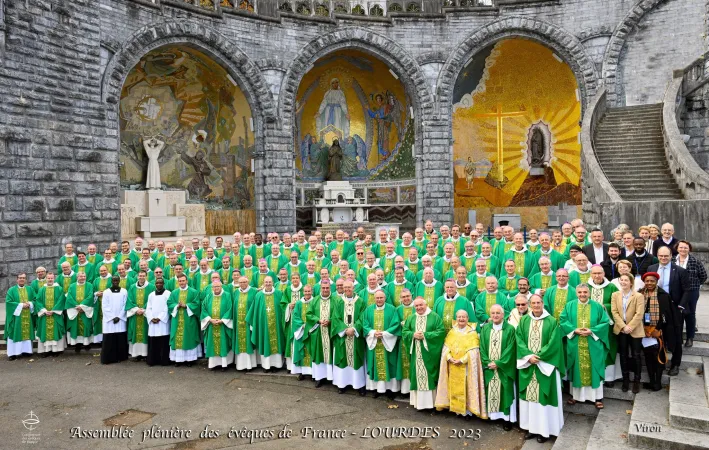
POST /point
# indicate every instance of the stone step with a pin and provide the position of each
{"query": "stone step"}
(643, 107)
(636, 150)
(699, 349)
(611, 427)
(650, 427)
(658, 173)
(532, 444)
(622, 122)
(635, 116)
(624, 138)
(651, 127)
(648, 197)
(577, 429)
(658, 183)
(689, 408)
(698, 336)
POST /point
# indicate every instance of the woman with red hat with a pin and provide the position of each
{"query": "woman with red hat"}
(658, 326)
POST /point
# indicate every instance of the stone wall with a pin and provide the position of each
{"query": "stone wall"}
(63, 64)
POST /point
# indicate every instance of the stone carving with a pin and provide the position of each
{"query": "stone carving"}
(538, 148)
(128, 215)
(325, 215)
(194, 217)
(198, 185)
(153, 147)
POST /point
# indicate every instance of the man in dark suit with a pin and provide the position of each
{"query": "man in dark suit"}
(597, 250)
(608, 264)
(675, 281)
(640, 259)
(667, 239)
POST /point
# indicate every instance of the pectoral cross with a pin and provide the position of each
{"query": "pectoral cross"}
(499, 115)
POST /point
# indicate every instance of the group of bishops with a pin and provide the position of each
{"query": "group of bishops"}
(484, 327)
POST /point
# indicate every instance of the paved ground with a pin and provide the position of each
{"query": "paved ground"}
(77, 391)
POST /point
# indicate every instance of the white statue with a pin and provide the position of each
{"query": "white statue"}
(153, 147)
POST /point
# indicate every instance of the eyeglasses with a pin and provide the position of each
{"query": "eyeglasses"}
(360, 253)
(520, 304)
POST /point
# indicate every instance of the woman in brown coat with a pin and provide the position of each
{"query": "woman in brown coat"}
(628, 307)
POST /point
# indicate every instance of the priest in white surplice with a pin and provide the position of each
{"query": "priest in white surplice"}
(158, 325)
(115, 338)
(540, 359)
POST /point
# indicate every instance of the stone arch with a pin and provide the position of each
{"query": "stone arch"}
(566, 45)
(616, 44)
(399, 60)
(235, 62)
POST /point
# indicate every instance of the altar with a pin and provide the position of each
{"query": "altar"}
(338, 204)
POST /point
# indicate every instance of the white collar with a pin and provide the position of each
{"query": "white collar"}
(491, 293)
(598, 286)
(433, 283)
(245, 291)
(545, 313)
(498, 327)
(380, 308)
(445, 297)
(269, 292)
(427, 312)
(524, 249)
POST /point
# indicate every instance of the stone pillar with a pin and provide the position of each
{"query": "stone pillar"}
(278, 178)
(436, 164)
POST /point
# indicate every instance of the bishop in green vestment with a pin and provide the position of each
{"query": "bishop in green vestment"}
(184, 307)
(300, 352)
(523, 258)
(19, 323)
(80, 312)
(49, 304)
(382, 329)
(405, 310)
(429, 288)
(601, 292)
(348, 341)
(66, 277)
(217, 324)
(498, 354)
(585, 324)
(243, 297)
(556, 297)
(448, 305)
(540, 361)
(318, 320)
(423, 335)
(490, 296)
(266, 319)
(291, 296)
(136, 304)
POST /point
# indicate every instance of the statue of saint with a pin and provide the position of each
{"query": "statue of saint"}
(198, 185)
(537, 149)
(334, 162)
(153, 147)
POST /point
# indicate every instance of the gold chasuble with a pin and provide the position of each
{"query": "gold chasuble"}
(461, 387)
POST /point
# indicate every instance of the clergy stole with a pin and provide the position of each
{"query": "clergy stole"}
(310, 279)
(334, 271)
(307, 360)
(397, 293)
(102, 286)
(534, 343)
(169, 272)
(325, 330)
(560, 299)
(260, 278)
(380, 355)
(248, 272)
(413, 266)
(270, 302)
(273, 266)
(488, 261)
(428, 293)
(66, 282)
(405, 252)
(495, 386)
(140, 321)
(583, 320)
(204, 279)
(210, 262)
(318, 264)
(181, 317)
(368, 271)
(225, 276)
(216, 313)
(258, 252)
(49, 301)
(510, 284)
(584, 276)
(241, 325)
(41, 284)
(480, 280)
(490, 299)
(25, 315)
(349, 319)
(461, 289)
(340, 247)
(79, 300)
(545, 281)
(369, 296)
(508, 247)
(80, 268)
(448, 316)
(388, 265)
(445, 266)
(532, 247)
(597, 295)
(468, 264)
(124, 282)
(405, 358)
(519, 263)
(458, 346)
(421, 371)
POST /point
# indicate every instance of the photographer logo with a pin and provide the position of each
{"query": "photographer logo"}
(31, 423)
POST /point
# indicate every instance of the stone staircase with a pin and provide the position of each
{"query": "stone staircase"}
(629, 147)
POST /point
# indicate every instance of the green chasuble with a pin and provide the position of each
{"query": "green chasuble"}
(249, 272)
(576, 277)
(138, 324)
(319, 340)
(243, 300)
(301, 352)
(100, 285)
(414, 266)
(382, 354)
(87, 268)
(425, 359)
(541, 337)
(485, 300)
(448, 308)
(402, 368)
(541, 281)
(110, 267)
(364, 272)
(217, 338)
(479, 282)
(275, 264)
(348, 351)
(50, 328)
(602, 294)
(184, 324)
(367, 295)
(524, 262)
(556, 298)
(393, 291)
(214, 263)
(37, 284)
(266, 317)
(80, 325)
(467, 290)
(259, 277)
(492, 265)
(72, 259)
(430, 292)
(19, 327)
(585, 355)
(321, 263)
(290, 295)
(201, 280)
(501, 249)
(556, 258)
(295, 268)
(468, 261)
(442, 266)
(65, 281)
(499, 346)
(508, 286)
(387, 263)
(344, 248)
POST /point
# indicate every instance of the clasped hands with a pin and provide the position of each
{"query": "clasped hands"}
(582, 331)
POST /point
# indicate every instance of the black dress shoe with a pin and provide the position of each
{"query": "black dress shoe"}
(340, 391)
(319, 383)
(674, 371)
(265, 370)
(529, 436)
(376, 394)
(77, 348)
(507, 426)
(656, 387)
(300, 377)
(688, 343)
(12, 358)
(636, 386)
(542, 439)
(626, 385)
(224, 369)
(608, 384)
(391, 395)
(363, 392)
